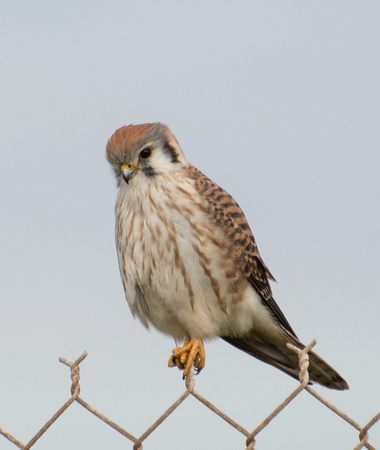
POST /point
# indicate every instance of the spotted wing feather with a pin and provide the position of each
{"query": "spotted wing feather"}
(228, 215)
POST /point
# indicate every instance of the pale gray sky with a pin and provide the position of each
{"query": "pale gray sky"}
(279, 103)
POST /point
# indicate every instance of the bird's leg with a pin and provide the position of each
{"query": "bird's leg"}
(192, 352)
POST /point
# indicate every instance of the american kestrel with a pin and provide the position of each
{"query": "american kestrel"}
(188, 260)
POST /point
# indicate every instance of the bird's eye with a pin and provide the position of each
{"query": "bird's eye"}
(146, 153)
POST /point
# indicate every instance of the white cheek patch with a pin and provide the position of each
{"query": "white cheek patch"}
(160, 162)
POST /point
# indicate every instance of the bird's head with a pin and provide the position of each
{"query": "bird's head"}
(146, 150)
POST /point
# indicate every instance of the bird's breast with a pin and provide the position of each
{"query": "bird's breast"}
(178, 270)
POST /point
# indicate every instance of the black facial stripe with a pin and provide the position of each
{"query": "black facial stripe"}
(148, 171)
(171, 152)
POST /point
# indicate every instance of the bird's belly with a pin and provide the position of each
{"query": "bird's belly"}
(179, 282)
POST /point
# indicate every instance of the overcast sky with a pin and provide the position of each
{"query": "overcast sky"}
(279, 103)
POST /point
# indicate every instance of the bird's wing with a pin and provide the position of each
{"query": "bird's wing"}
(228, 216)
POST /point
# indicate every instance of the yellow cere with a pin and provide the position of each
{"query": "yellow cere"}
(126, 166)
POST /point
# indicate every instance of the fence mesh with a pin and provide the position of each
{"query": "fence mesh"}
(250, 442)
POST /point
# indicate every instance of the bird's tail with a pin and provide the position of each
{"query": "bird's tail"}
(283, 358)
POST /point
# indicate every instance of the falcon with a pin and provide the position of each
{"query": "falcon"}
(189, 262)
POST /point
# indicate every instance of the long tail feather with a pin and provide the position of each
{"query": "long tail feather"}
(286, 360)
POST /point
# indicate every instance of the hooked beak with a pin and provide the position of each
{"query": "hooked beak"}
(128, 171)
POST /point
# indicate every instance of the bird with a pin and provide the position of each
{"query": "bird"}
(189, 262)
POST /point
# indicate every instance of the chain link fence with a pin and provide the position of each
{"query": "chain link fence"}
(250, 436)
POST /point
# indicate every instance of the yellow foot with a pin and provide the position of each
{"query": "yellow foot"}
(192, 352)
